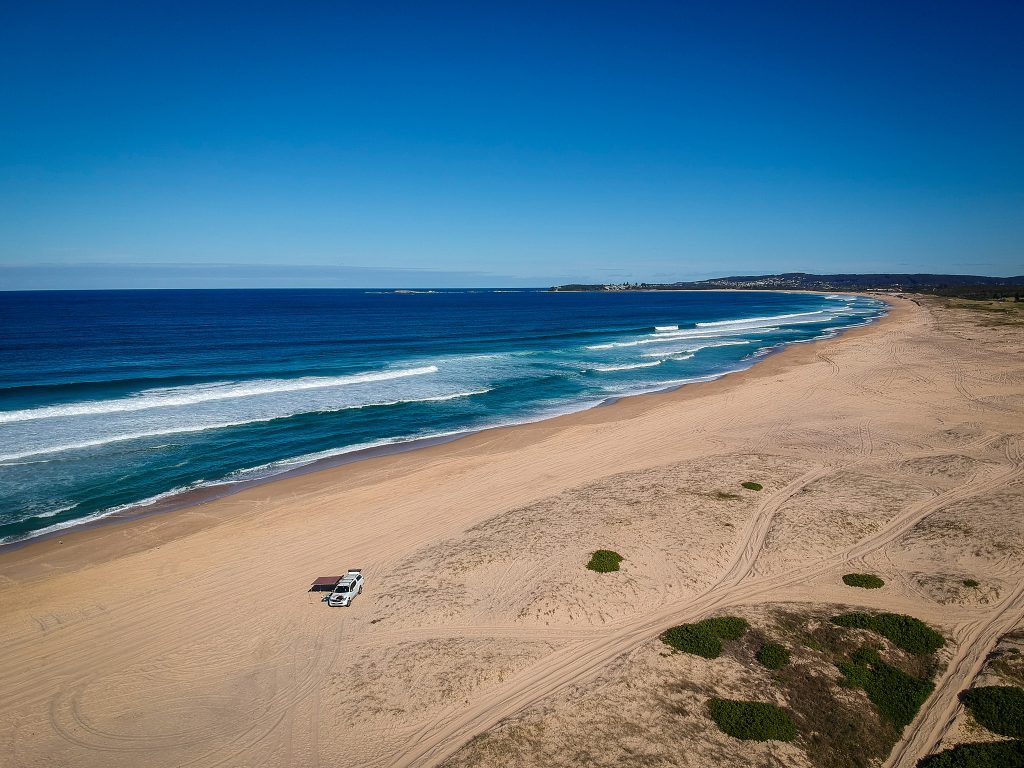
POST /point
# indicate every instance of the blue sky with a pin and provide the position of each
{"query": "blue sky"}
(522, 144)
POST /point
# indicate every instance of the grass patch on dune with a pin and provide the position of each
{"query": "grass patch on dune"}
(752, 486)
(752, 720)
(773, 655)
(605, 561)
(971, 583)
(897, 695)
(705, 637)
(1000, 708)
(999, 754)
(863, 580)
(908, 633)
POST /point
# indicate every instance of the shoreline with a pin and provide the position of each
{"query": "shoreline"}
(194, 500)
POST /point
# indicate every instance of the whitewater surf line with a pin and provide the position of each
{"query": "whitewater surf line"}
(204, 393)
(206, 427)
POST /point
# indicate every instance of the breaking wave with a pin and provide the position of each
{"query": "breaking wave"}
(204, 393)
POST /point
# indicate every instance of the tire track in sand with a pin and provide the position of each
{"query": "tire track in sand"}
(434, 741)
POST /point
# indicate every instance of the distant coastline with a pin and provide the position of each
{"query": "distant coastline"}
(964, 286)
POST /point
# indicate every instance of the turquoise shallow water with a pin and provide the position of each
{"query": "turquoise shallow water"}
(111, 399)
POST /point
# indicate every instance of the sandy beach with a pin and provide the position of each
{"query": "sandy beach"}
(189, 639)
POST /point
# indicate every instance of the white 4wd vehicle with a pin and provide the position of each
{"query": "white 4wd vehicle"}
(344, 593)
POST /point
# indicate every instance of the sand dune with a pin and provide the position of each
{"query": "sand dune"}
(188, 638)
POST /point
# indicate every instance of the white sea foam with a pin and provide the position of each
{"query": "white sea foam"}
(773, 319)
(84, 444)
(701, 346)
(626, 367)
(664, 328)
(665, 338)
(126, 437)
(661, 386)
(55, 512)
(203, 393)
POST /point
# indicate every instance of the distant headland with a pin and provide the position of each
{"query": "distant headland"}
(967, 286)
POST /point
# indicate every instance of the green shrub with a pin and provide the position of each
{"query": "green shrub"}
(705, 637)
(752, 720)
(752, 486)
(971, 583)
(854, 675)
(998, 754)
(863, 580)
(897, 695)
(726, 627)
(773, 655)
(605, 561)
(1000, 708)
(910, 634)
(866, 656)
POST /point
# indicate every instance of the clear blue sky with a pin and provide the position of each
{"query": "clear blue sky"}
(453, 144)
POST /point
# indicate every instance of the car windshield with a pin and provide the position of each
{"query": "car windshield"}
(341, 588)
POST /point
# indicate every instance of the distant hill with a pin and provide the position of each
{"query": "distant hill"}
(968, 286)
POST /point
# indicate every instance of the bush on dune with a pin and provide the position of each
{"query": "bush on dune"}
(752, 720)
(773, 656)
(863, 580)
(705, 637)
(897, 695)
(999, 754)
(1000, 708)
(605, 561)
(752, 486)
(910, 634)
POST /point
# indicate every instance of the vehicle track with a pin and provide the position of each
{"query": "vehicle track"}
(434, 741)
(939, 712)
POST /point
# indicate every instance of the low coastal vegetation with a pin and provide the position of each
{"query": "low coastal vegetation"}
(752, 720)
(803, 661)
(886, 684)
(998, 754)
(752, 486)
(705, 637)
(897, 695)
(863, 580)
(908, 633)
(1000, 708)
(972, 583)
(605, 561)
(773, 655)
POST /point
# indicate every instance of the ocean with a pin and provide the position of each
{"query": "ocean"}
(115, 400)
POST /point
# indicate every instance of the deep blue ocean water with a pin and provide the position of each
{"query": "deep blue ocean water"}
(111, 399)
